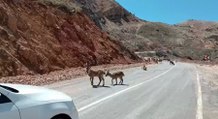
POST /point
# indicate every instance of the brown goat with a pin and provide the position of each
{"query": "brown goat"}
(116, 75)
(171, 62)
(144, 68)
(92, 74)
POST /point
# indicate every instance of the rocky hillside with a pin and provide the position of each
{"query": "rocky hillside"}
(104, 12)
(200, 39)
(191, 40)
(40, 36)
(115, 20)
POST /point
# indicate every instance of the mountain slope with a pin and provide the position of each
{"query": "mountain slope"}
(191, 40)
(39, 36)
(115, 20)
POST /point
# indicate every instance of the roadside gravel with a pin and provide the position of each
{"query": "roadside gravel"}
(209, 83)
(61, 75)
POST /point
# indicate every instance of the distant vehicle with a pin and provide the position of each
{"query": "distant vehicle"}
(32, 102)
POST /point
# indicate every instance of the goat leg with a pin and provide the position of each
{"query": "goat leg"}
(99, 81)
(112, 82)
(103, 81)
(121, 80)
(91, 80)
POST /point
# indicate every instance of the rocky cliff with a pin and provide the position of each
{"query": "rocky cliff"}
(40, 36)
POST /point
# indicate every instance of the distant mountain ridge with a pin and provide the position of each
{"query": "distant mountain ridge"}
(192, 39)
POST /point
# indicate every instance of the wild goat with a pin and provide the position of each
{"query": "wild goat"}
(144, 68)
(171, 62)
(116, 75)
(92, 74)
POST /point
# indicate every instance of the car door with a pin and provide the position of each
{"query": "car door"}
(7, 109)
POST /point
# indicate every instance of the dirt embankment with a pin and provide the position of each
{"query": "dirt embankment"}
(37, 38)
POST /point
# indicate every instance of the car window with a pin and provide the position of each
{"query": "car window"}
(4, 99)
(10, 89)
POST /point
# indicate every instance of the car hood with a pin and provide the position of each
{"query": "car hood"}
(37, 94)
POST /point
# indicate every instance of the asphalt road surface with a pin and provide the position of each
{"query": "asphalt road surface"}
(163, 92)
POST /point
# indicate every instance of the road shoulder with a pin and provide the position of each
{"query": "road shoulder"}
(209, 83)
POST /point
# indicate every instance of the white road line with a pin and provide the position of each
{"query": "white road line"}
(122, 91)
(199, 114)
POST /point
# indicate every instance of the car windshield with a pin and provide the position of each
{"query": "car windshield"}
(9, 89)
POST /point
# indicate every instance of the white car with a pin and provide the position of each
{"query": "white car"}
(32, 102)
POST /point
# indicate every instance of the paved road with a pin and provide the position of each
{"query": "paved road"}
(163, 92)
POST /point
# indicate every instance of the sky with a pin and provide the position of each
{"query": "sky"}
(172, 11)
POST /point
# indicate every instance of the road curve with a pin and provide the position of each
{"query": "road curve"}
(163, 92)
